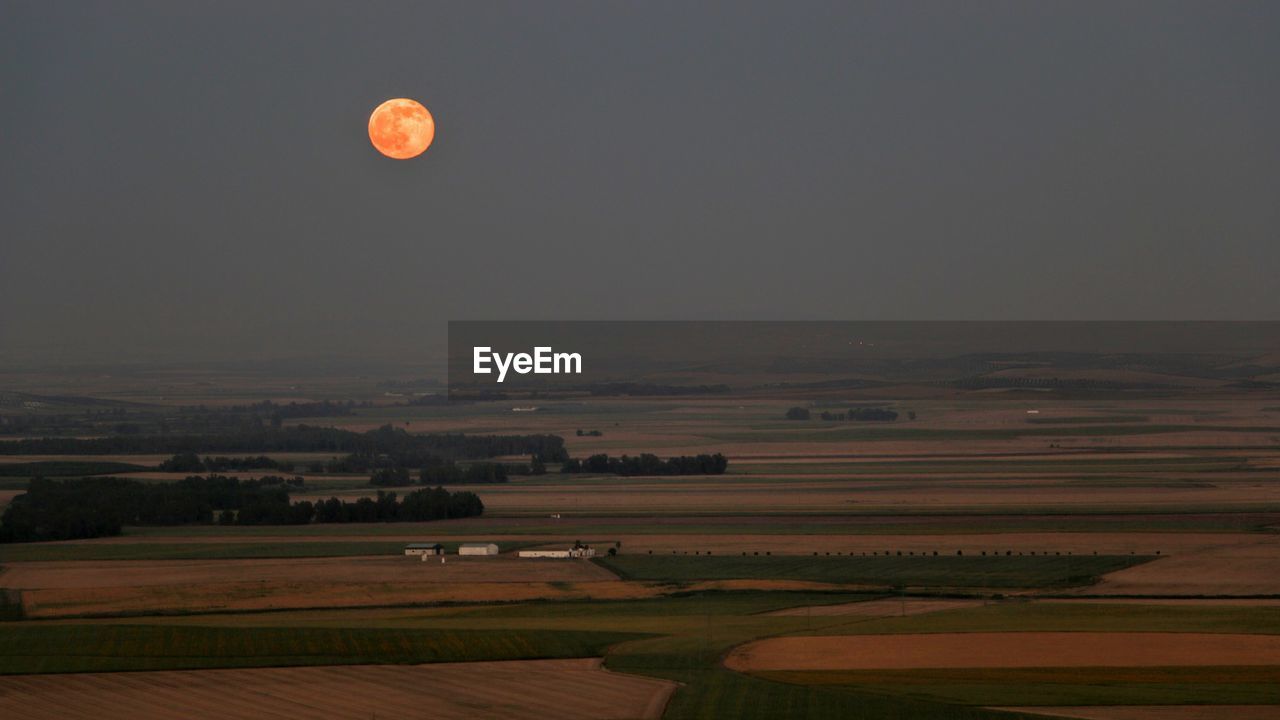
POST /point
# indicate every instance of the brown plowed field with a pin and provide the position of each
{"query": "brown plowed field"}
(375, 569)
(523, 690)
(60, 589)
(220, 597)
(269, 595)
(1005, 650)
(1247, 565)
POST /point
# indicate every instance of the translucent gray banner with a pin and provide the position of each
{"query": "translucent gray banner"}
(501, 358)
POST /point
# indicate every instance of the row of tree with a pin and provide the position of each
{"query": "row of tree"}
(193, 463)
(134, 419)
(95, 507)
(447, 472)
(417, 506)
(864, 414)
(403, 448)
(648, 464)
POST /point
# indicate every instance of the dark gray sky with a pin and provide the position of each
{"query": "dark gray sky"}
(194, 179)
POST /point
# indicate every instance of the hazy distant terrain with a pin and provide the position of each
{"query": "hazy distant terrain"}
(996, 492)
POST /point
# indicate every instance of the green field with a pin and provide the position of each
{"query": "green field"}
(705, 629)
(682, 637)
(696, 630)
(45, 648)
(1017, 571)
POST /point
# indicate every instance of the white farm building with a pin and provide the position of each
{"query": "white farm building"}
(478, 549)
(421, 548)
(583, 552)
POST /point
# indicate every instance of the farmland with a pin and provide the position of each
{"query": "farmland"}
(1127, 519)
(680, 638)
(85, 648)
(927, 571)
(569, 689)
(974, 651)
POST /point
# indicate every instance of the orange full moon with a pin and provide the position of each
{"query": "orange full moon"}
(401, 128)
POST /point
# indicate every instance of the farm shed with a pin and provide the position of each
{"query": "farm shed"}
(478, 549)
(578, 552)
(422, 548)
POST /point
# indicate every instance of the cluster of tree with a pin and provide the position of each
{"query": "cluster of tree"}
(438, 471)
(434, 469)
(193, 463)
(406, 449)
(417, 506)
(589, 433)
(445, 473)
(91, 507)
(535, 466)
(87, 508)
(395, 449)
(44, 424)
(862, 414)
(257, 415)
(30, 414)
(648, 464)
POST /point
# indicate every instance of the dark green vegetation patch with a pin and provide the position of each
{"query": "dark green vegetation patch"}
(98, 648)
(67, 468)
(1003, 571)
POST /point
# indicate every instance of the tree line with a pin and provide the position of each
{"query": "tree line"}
(861, 414)
(417, 506)
(95, 507)
(648, 464)
(137, 419)
(193, 463)
(410, 450)
(438, 471)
